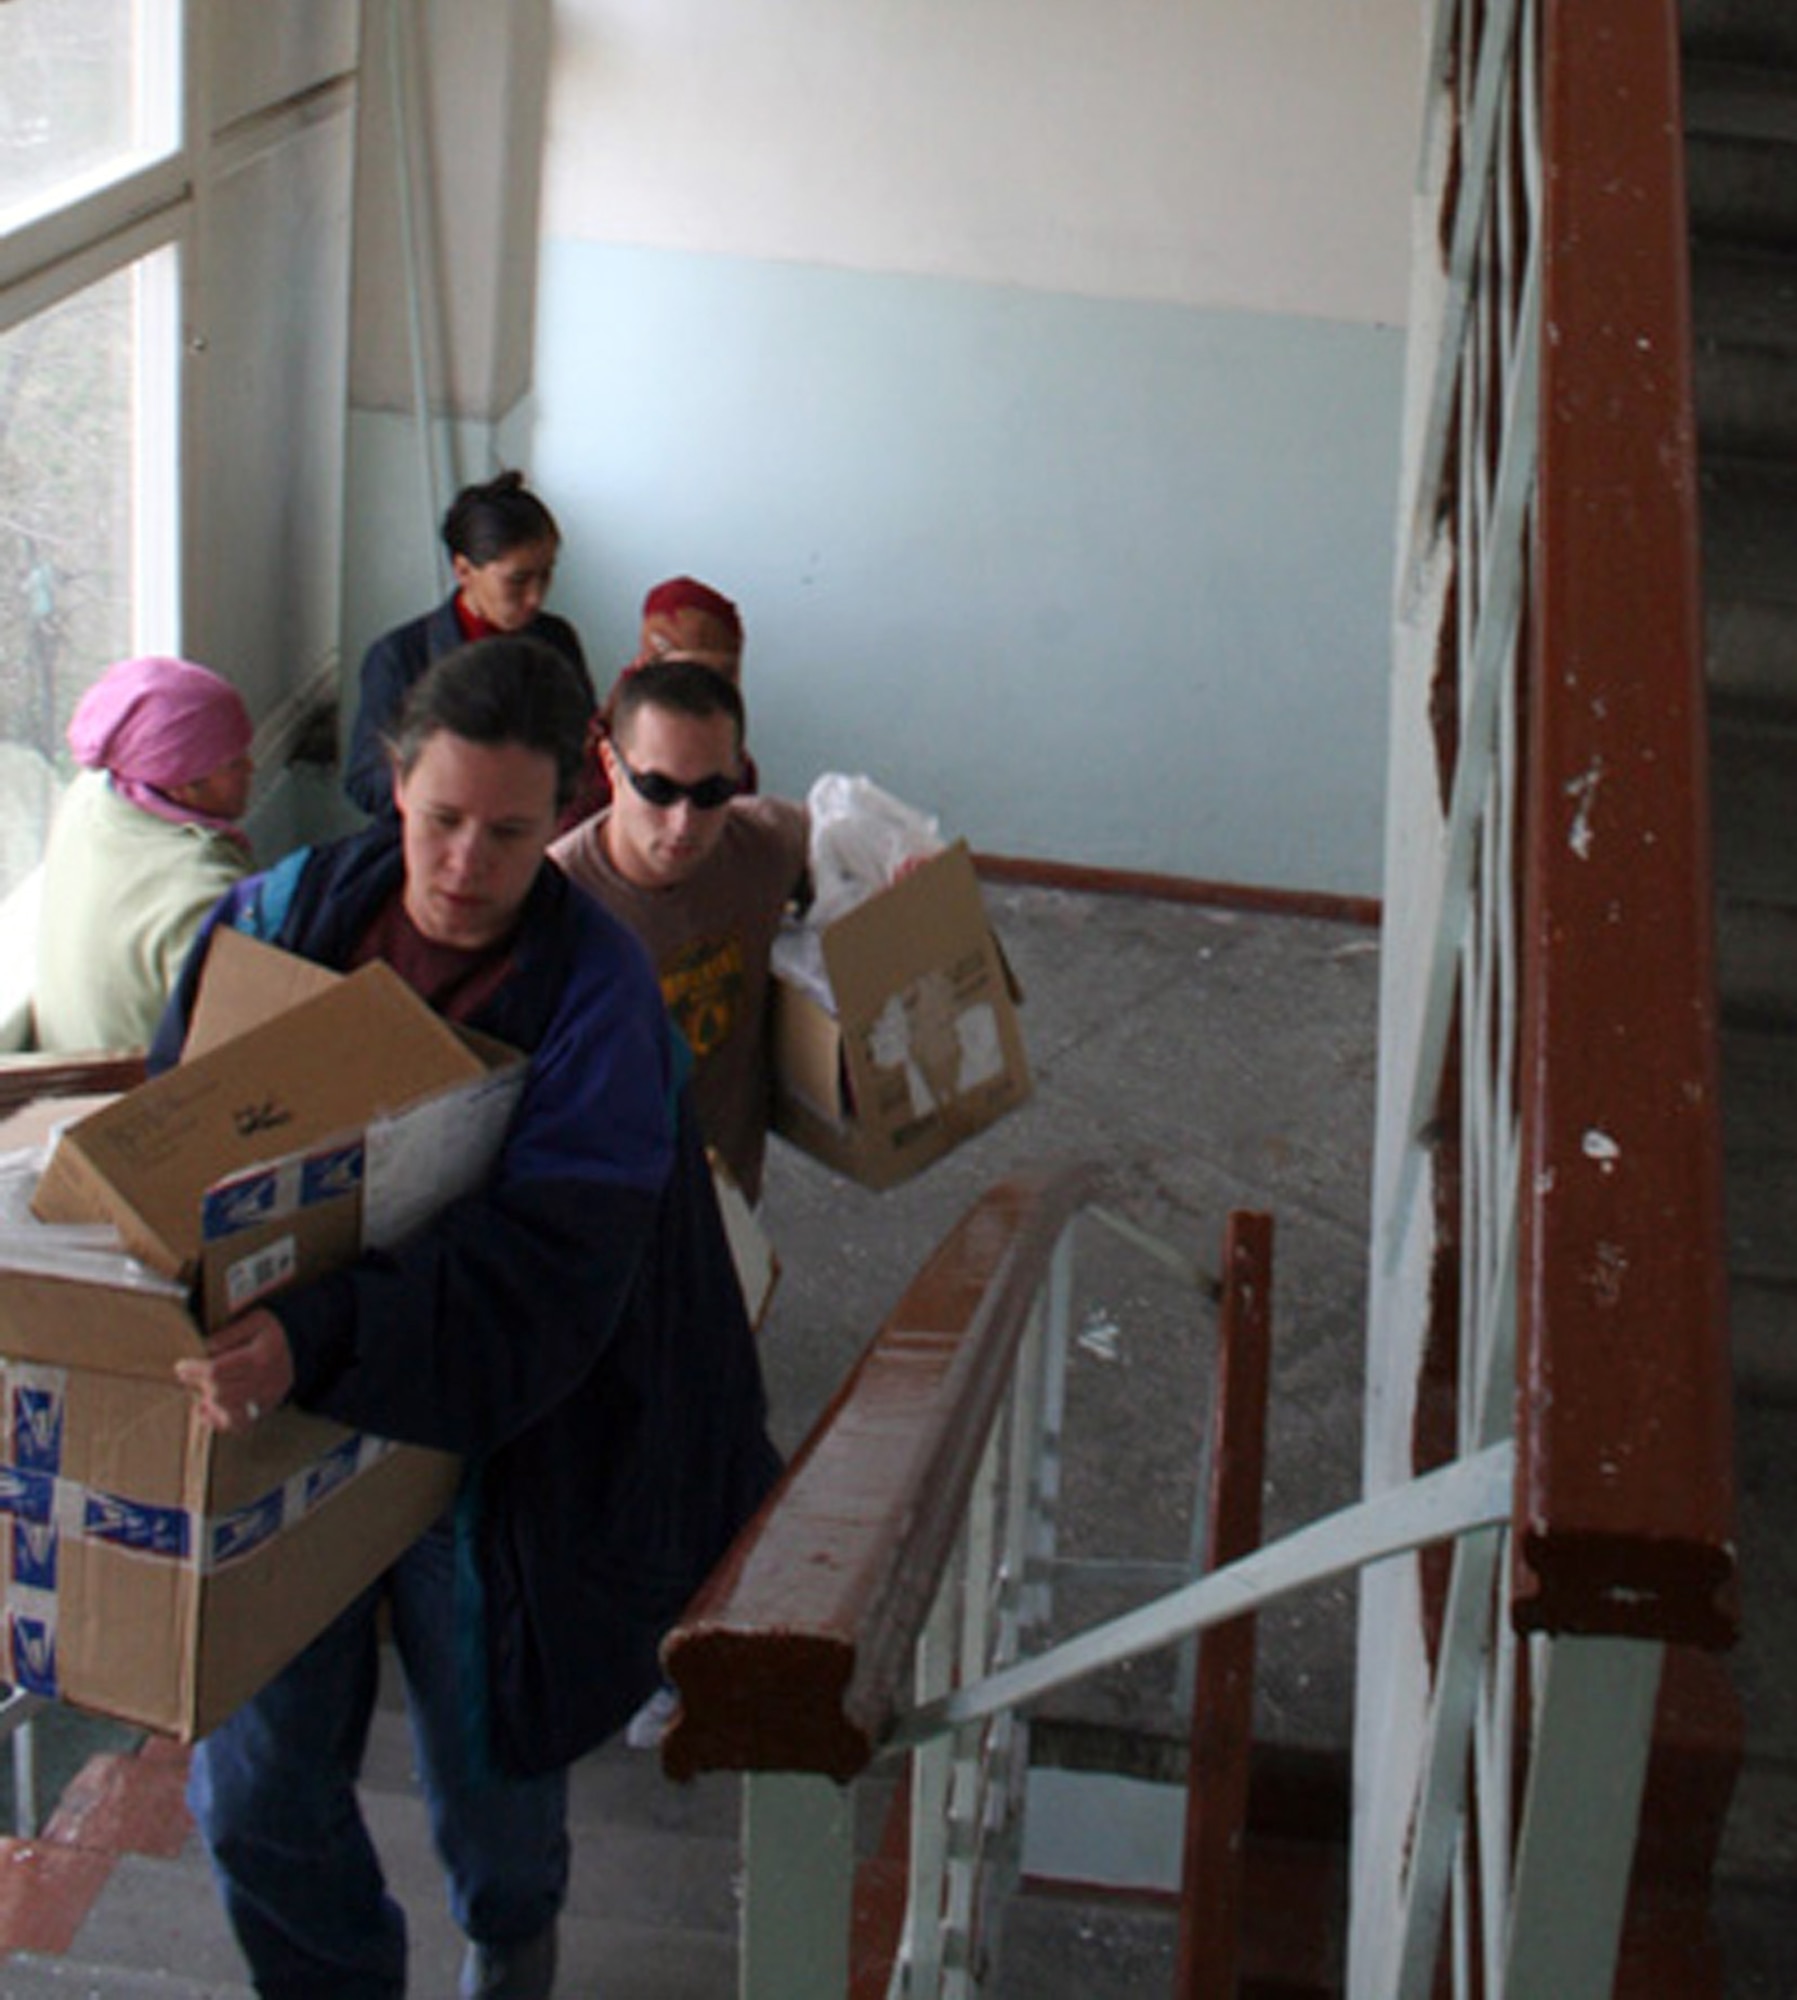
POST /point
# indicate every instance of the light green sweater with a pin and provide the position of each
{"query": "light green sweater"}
(124, 893)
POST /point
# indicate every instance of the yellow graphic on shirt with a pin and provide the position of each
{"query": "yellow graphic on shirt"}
(703, 986)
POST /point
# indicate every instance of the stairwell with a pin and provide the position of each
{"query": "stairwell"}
(115, 1902)
(1741, 140)
(653, 1908)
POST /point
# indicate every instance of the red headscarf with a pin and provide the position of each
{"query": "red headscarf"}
(683, 615)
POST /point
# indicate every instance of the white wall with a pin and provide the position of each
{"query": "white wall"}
(1253, 154)
(1029, 373)
(266, 326)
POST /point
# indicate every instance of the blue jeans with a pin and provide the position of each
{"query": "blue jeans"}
(274, 1792)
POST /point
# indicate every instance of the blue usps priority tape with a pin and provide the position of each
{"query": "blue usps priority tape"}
(326, 1175)
(337, 1468)
(261, 1194)
(27, 1496)
(31, 1647)
(130, 1524)
(244, 1529)
(39, 1507)
(36, 1426)
(240, 1203)
(35, 1547)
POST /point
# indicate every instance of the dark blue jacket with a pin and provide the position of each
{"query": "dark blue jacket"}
(575, 1328)
(393, 663)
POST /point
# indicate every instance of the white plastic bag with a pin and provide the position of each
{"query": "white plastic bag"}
(861, 837)
(89, 1251)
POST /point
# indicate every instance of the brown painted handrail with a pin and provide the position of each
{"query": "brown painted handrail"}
(793, 1655)
(26, 1078)
(1213, 1870)
(1625, 1499)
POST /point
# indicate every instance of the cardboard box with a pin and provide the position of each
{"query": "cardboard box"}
(923, 1047)
(160, 1572)
(312, 1114)
(152, 1569)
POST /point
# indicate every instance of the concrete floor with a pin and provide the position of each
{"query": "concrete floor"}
(1206, 1060)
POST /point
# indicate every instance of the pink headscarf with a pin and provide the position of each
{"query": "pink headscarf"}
(156, 723)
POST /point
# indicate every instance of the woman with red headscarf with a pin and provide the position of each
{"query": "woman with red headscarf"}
(683, 619)
(145, 841)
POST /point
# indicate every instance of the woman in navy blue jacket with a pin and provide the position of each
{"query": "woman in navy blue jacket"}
(574, 1328)
(502, 543)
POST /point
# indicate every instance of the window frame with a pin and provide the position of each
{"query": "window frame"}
(119, 218)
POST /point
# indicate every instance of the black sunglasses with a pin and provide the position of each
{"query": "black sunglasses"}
(655, 789)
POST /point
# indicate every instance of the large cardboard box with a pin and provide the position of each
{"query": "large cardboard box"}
(922, 1047)
(152, 1569)
(310, 1114)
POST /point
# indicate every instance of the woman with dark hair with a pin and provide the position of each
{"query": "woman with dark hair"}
(503, 543)
(574, 1329)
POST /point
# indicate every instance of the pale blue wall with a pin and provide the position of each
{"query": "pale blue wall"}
(1097, 582)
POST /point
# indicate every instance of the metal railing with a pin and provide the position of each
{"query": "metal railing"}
(890, 1604)
(1547, 1244)
(1548, 1462)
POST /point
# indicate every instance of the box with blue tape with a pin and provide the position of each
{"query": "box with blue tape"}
(150, 1569)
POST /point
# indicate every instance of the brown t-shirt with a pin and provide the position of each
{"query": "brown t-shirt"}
(710, 937)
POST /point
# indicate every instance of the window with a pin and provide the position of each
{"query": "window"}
(85, 386)
(88, 93)
(89, 104)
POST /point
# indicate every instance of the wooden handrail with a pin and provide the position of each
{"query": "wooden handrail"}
(794, 1653)
(1214, 1865)
(26, 1078)
(1625, 1499)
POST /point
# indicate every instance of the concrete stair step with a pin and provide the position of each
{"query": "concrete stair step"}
(1741, 152)
(1759, 1096)
(1063, 1942)
(1740, 98)
(1756, 966)
(1739, 31)
(1096, 1912)
(1749, 525)
(1750, 651)
(652, 1906)
(1762, 1316)
(1056, 1946)
(1744, 312)
(1753, 779)
(25, 1978)
(1755, 1922)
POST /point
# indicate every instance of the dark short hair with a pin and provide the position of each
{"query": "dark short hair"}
(688, 687)
(498, 691)
(488, 520)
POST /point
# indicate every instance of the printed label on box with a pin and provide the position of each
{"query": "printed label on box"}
(264, 1270)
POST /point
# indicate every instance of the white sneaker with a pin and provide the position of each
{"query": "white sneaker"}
(510, 1971)
(649, 1724)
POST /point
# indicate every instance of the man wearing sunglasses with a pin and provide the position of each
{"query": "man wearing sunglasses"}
(702, 875)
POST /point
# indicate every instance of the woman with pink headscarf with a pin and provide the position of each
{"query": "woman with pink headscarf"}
(145, 841)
